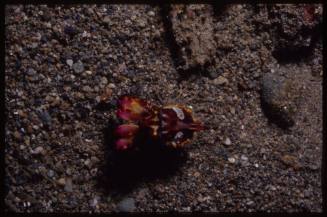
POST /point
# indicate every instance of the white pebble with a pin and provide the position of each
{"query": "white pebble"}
(151, 13)
(227, 141)
(231, 160)
(37, 150)
(70, 62)
(244, 158)
(111, 85)
(88, 72)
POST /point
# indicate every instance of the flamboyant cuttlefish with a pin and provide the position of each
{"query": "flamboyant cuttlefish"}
(173, 125)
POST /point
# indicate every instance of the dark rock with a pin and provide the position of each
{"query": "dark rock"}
(278, 97)
(18, 64)
(213, 73)
(44, 39)
(71, 30)
(78, 67)
(38, 101)
(45, 117)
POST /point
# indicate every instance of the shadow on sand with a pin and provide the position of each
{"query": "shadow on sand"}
(123, 171)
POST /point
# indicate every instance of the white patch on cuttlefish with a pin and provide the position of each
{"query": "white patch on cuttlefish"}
(179, 135)
(179, 112)
(164, 115)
